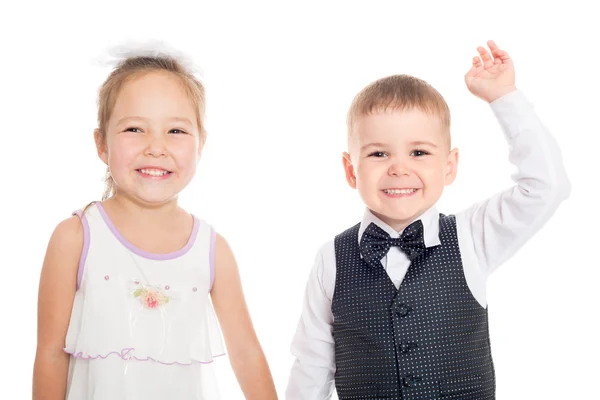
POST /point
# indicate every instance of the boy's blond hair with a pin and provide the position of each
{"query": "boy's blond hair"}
(397, 93)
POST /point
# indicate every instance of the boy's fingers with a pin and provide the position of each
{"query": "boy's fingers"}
(485, 56)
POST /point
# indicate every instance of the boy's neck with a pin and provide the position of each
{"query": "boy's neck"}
(399, 226)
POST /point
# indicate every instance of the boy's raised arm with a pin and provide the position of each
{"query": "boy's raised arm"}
(501, 224)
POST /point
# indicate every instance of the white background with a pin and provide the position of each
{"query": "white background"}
(280, 77)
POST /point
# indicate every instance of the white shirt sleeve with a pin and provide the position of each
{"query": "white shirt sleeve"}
(500, 225)
(313, 371)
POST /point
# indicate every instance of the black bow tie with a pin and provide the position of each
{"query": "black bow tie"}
(375, 243)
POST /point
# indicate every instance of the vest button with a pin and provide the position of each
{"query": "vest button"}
(405, 347)
(410, 381)
(403, 310)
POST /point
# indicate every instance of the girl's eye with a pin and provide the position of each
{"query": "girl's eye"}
(377, 154)
(133, 130)
(178, 131)
(419, 153)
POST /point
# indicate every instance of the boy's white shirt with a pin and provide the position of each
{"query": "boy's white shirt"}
(489, 233)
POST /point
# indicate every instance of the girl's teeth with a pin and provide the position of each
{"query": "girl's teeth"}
(400, 191)
(154, 172)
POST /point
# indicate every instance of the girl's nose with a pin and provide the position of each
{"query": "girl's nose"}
(156, 146)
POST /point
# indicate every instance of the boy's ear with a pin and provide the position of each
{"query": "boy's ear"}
(349, 170)
(451, 167)
(101, 146)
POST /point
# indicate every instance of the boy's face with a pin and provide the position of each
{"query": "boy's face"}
(399, 161)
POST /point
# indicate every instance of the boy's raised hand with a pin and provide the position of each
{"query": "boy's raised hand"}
(491, 78)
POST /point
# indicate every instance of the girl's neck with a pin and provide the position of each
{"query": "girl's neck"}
(163, 229)
(123, 204)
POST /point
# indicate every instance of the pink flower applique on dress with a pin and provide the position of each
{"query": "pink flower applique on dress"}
(151, 297)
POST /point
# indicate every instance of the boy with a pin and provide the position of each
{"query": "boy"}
(395, 306)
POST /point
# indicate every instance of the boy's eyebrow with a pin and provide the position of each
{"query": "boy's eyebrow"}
(366, 146)
(421, 143)
(415, 143)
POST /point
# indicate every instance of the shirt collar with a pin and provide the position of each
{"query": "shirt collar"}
(430, 220)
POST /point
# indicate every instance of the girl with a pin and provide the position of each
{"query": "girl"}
(123, 308)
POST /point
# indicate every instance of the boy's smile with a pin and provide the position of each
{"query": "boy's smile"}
(400, 161)
(398, 192)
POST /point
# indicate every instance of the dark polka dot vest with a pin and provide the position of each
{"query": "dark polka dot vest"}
(427, 340)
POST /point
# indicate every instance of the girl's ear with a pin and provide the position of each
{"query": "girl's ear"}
(101, 146)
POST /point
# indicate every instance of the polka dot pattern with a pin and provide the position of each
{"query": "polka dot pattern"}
(427, 340)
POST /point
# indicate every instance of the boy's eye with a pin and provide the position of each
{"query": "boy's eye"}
(133, 129)
(377, 154)
(419, 153)
(178, 131)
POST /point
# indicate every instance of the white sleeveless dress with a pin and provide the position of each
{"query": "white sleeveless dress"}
(142, 324)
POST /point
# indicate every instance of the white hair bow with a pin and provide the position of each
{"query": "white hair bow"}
(152, 48)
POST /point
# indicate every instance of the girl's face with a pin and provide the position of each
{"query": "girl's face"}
(152, 143)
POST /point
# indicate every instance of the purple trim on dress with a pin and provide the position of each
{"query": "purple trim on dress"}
(86, 245)
(146, 254)
(213, 242)
(124, 355)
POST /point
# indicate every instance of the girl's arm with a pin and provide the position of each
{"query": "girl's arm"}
(55, 299)
(247, 358)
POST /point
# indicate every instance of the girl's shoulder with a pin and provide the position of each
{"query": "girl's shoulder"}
(69, 233)
(63, 252)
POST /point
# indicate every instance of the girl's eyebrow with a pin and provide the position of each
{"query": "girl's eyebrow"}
(181, 119)
(173, 119)
(125, 119)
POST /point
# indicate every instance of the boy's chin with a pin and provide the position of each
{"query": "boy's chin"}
(394, 216)
(400, 216)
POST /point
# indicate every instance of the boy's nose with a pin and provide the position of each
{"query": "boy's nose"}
(398, 168)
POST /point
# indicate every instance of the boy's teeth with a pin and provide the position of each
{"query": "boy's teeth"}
(400, 191)
(154, 172)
